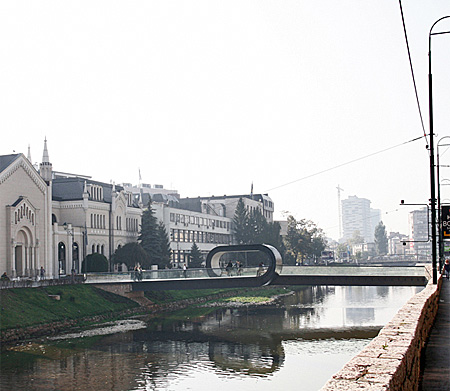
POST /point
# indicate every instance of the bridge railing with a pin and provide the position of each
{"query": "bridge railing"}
(172, 274)
(356, 270)
(247, 272)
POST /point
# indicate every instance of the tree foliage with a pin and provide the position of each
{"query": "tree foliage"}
(381, 240)
(304, 240)
(94, 263)
(164, 244)
(132, 254)
(241, 223)
(154, 239)
(196, 257)
(253, 228)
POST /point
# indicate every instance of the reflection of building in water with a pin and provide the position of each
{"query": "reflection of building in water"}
(252, 359)
(359, 315)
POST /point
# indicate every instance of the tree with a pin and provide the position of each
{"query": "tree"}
(132, 254)
(241, 223)
(196, 257)
(356, 239)
(257, 227)
(292, 239)
(164, 245)
(150, 236)
(381, 240)
(94, 263)
(304, 240)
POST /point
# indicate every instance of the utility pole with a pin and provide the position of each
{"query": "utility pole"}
(339, 210)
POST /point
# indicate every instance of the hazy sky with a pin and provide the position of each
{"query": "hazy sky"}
(209, 96)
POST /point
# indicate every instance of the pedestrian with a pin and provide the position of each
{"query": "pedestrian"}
(260, 270)
(42, 273)
(4, 277)
(229, 268)
(239, 268)
(184, 270)
(135, 273)
(140, 273)
(446, 269)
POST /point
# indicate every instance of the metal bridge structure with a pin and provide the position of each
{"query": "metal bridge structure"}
(261, 265)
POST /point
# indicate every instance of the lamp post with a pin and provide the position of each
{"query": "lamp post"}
(69, 229)
(432, 170)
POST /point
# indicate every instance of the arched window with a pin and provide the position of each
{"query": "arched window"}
(93, 248)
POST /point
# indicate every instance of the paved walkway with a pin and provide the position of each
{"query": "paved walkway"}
(436, 375)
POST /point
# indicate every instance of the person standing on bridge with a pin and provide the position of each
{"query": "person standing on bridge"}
(446, 269)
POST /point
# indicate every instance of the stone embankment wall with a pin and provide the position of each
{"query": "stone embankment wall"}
(391, 361)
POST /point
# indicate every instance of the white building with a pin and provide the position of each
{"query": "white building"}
(358, 216)
(420, 232)
(54, 220)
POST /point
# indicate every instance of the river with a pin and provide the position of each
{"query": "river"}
(296, 343)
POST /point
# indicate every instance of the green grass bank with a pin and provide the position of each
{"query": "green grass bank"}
(30, 312)
(23, 307)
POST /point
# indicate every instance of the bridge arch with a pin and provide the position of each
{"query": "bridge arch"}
(253, 255)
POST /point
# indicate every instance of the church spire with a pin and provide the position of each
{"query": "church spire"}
(45, 168)
(45, 157)
(29, 154)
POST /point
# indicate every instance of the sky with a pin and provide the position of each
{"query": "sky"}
(207, 97)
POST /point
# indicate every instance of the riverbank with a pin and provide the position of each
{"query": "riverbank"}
(28, 313)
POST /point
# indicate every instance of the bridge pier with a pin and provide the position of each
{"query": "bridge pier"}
(126, 290)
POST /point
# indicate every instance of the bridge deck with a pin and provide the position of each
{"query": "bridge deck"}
(289, 275)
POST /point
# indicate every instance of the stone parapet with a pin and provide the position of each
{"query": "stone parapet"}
(391, 361)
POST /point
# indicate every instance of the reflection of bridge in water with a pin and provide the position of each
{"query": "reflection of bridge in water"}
(259, 265)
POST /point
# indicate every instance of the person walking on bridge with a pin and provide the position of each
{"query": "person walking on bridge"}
(446, 269)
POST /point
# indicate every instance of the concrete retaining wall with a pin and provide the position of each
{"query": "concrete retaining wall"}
(391, 361)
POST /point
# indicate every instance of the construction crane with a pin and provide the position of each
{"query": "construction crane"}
(339, 210)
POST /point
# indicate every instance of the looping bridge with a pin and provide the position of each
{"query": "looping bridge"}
(258, 265)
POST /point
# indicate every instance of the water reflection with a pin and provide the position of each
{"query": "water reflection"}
(311, 333)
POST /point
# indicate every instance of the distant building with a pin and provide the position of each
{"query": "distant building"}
(398, 244)
(357, 216)
(420, 232)
(226, 205)
(206, 221)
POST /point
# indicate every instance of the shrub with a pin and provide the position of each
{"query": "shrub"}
(94, 263)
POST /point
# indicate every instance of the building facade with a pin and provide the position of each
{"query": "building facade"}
(420, 232)
(54, 220)
(358, 216)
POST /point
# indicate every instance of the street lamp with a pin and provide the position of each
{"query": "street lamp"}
(69, 229)
(432, 171)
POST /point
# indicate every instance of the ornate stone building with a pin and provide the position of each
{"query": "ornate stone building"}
(54, 219)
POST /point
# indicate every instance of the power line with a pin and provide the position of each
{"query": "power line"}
(343, 164)
(412, 72)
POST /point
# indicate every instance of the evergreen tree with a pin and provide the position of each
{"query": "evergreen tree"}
(196, 257)
(381, 240)
(149, 236)
(256, 228)
(241, 223)
(164, 246)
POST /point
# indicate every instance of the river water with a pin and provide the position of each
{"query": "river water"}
(296, 343)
